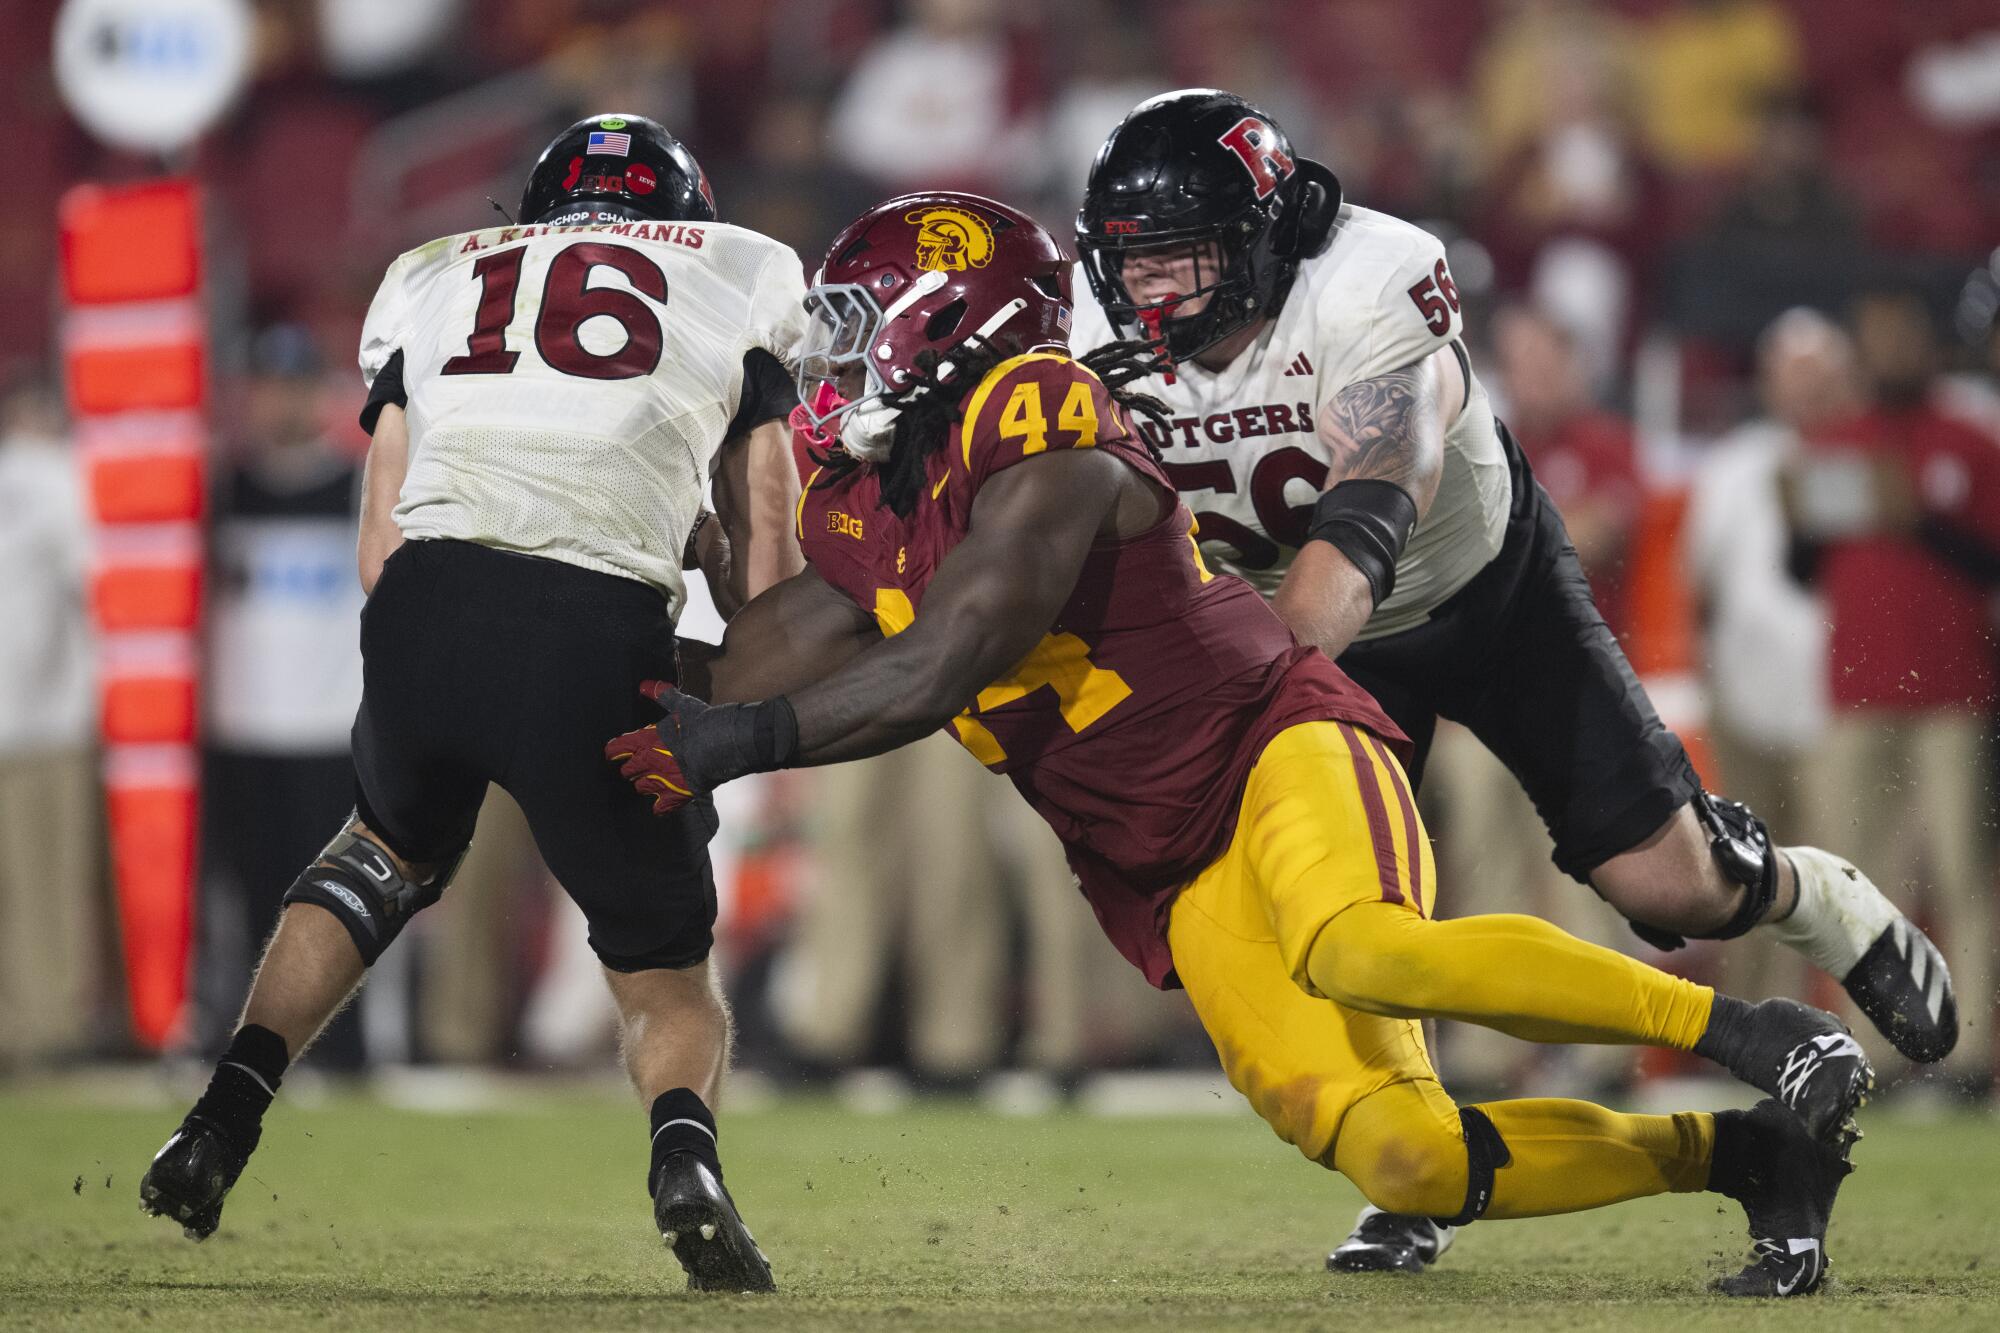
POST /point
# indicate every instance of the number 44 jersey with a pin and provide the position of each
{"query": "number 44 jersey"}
(1132, 726)
(1246, 448)
(568, 388)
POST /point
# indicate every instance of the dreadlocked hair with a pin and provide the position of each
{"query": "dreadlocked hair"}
(929, 409)
(1118, 365)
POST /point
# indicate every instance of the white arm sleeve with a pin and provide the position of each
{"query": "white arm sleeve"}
(382, 332)
(778, 306)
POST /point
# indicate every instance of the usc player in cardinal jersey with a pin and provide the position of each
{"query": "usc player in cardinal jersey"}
(993, 548)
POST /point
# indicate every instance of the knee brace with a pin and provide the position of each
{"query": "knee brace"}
(357, 881)
(1742, 849)
(1485, 1153)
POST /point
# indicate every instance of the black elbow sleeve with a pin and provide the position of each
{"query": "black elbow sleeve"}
(386, 389)
(1368, 521)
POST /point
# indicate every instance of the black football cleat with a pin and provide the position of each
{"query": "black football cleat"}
(1807, 1059)
(1788, 1198)
(1390, 1243)
(1903, 986)
(190, 1177)
(699, 1223)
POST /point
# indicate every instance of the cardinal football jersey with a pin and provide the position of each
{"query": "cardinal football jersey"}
(1132, 726)
(1244, 450)
(569, 387)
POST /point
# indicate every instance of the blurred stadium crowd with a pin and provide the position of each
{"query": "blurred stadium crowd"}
(1733, 275)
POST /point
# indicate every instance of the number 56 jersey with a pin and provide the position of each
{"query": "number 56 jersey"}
(568, 388)
(1246, 448)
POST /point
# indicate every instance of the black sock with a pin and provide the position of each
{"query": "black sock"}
(682, 1123)
(241, 1089)
(1735, 1153)
(1728, 1033)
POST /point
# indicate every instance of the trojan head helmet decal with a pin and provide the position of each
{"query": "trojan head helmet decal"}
(951, 238)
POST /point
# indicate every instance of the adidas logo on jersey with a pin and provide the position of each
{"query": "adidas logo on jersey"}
(1299, 366)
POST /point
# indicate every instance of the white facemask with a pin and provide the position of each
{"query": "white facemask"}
(868, 430)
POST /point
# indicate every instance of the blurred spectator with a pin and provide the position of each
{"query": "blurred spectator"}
(907, 882)
(915, 850)
(1897, 511)
(1240, 45)
(786, 187)
(1111, 66)
(284, 671)
(1973, 394)
(1584, 456)
(1766, 639)
(54, 919)
(1789, 234)
(1765, 661)
(1569, 187)
(935, 105)
(1709, 69)
(470, 982)
(369, 39)
(1537, 56)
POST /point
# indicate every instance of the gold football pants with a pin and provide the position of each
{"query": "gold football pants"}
(1310, 955)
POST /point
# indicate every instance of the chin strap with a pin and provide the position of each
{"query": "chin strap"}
(1151, 319)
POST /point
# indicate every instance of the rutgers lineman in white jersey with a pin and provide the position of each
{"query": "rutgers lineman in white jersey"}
(1338, 451)
(547, 402)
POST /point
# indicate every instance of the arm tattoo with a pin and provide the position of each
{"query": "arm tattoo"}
(1388, 428)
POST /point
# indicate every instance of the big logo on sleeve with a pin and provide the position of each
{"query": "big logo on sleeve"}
(1256, 146)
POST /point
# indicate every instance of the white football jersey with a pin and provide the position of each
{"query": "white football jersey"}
(569, 387)
(1244, 448)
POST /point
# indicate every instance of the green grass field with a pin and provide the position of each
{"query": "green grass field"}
(356, 1216)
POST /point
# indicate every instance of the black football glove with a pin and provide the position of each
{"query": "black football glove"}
(696, 747)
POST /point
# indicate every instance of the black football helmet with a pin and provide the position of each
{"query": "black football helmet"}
(608, 167)
(1198, 165)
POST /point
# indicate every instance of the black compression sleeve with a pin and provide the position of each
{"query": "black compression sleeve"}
(387, 389)
(768, 392)
(1368, 520)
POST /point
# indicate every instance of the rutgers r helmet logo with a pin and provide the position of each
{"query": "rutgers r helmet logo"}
(1255, 144)
(951, 238)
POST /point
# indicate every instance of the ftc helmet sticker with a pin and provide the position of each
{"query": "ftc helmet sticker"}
(951, 238)
(1256, 146)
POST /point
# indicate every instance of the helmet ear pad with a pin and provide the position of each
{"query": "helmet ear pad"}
(1312, 203)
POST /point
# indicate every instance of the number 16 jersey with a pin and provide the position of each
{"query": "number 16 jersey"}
(568, 388)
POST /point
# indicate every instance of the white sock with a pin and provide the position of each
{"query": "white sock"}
(1840, 912)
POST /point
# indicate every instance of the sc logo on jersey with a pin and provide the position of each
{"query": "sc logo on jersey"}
(1256, 146)
(951, 238)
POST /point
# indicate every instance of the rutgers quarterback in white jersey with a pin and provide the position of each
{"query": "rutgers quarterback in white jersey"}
(1332, 437)
(548, 403)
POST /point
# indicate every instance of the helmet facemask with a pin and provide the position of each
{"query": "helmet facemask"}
(842, 362)
(1230, 283)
